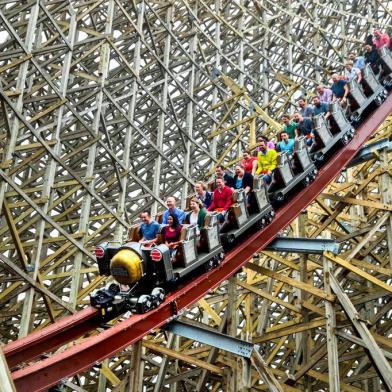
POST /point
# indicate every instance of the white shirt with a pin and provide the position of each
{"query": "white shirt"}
(193, 218)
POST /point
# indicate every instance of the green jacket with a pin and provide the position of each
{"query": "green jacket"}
(200, 218)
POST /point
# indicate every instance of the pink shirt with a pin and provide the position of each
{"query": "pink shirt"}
(382, 41)
(326, 96)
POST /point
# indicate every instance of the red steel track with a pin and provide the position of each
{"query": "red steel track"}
(47, 372)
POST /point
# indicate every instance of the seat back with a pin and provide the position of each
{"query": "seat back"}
(186, 250)
(260, 193)
(284, 168)
(239, 210)
(188, 201)
(159, 217)
(339, 121)
(386, 60)
(160, 236)
(209, 234)
(357, 96)
(134, 233)
(372, 83)
(301, 156)
(322, 129)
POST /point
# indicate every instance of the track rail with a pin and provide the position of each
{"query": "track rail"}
(45, 373)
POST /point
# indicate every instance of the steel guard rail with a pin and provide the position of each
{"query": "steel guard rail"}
(45, 373)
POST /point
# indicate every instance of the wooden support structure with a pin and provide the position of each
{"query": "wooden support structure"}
(108, 107)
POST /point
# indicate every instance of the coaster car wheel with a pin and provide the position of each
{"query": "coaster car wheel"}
(144, 304)
(355, 118)
(279, 197)
(157, 296)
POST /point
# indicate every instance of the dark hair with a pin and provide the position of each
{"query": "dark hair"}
(263, 137)
(221, 166)
(148, 212)
(286, 115)
(303, 99)
(176, 223)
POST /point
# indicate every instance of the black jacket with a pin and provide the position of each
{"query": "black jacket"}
(373, 58)
(247, 180)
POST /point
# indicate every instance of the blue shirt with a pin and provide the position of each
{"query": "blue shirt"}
(323, 108)
(289, 147)
(359, 62)
(307, 111)
(338, 88)
(149, 230)
(180, 214)
(305, 126)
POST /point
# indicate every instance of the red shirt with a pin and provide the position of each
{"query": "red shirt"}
(221, 199)
(248, 164)
(171, 236)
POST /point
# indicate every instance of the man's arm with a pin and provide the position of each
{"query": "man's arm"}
(212, 205)
(346, 91)
(259, 164)
(359, 75)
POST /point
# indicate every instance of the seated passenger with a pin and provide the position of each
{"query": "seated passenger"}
(380, 39)
(305, 109)
(325, 94)
(202, 194)
(249, 163)
(267, 160)
(270, 143)
(305, 127)
(285, 143)
(243, 180)
(358, 61)
(220, 172)
(172, 209)
(197, 214)
(290, 126)
(352, 73)
(372, 57)
(171, 233)
(339, 88)
(221, 200)
(149, 228)
(320, 107)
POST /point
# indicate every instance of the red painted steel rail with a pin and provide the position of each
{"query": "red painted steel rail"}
(45, 373)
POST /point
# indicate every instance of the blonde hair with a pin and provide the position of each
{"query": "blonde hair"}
(204, 186)
(196, 200)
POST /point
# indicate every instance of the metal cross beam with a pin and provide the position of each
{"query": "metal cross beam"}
(371, 151)
(303, 245)
(204, 334)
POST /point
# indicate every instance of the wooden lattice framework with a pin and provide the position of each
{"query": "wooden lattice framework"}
(106, 108)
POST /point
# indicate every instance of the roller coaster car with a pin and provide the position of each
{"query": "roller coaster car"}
(359, 101)
(329, 133)
(247, 211)
(371, 85)
(339, 126)
(145, 273)
(386, 65)
(291, 171)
